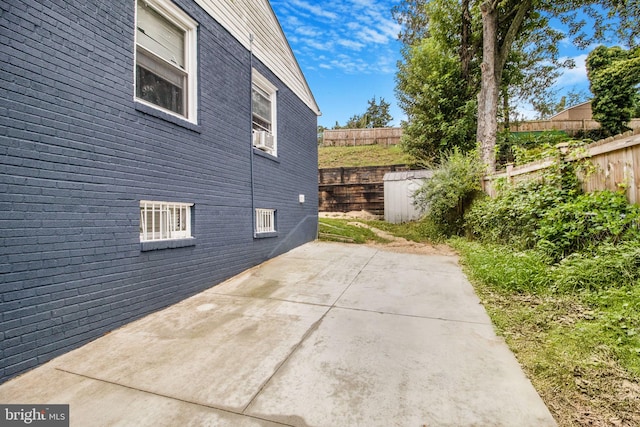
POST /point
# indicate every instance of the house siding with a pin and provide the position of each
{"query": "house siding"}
(77, 155)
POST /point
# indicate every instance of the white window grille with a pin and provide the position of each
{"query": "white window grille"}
(164, 220)
(263, 113)
(165, 69)
(265, 220)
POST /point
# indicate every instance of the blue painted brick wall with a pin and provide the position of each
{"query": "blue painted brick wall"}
(77, 155)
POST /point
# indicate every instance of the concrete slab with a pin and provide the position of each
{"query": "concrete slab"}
(326, 335)
(363, 368)
(387, 260)
(313, 281)
(99, 403)
(433, 287)
(214, 350)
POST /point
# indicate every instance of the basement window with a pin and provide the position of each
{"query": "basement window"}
(164, 221)
(265, 222)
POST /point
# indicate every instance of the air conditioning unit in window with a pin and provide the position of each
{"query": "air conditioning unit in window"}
(263, 140)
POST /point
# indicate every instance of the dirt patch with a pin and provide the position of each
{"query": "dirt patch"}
(402, 245)
(352, 214)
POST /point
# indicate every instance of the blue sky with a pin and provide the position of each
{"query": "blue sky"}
(348, 51)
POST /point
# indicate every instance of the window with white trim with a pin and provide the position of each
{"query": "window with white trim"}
(164, 220)
(263, 114)
(265, 221)
(165, 58)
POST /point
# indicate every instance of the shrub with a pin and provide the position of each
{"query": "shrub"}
(446, 196)
(586, 221)
(513, 216)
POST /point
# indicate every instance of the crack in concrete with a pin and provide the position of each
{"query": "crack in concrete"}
(166, 396)
(306, 335)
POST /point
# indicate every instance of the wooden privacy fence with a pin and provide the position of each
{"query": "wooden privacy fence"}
(569, 126)
(616, 161)
(345, 137)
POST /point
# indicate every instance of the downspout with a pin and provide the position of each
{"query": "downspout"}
(253, 201)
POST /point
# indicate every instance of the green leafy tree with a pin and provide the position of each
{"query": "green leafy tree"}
(411, 17)
(377, 115)
(443, 112)
(614, 74)
(432, 92)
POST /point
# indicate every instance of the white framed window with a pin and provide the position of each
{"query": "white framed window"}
(164, 220)
(263, 114)
(166, 58)
(265, 221)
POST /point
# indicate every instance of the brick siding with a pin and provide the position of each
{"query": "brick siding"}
(77, 155)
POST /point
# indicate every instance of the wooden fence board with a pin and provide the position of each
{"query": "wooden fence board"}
(570, 126)
(616, 161)
(370, 136)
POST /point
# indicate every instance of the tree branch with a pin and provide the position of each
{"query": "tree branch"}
(514, 28)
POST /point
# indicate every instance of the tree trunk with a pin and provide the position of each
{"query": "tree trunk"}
(489, 89)
(466, 51)
(494, 57)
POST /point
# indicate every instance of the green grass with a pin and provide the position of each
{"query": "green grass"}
(579, 346)
(415, 231)
(366, 155)
(338, 230)
(341, 230)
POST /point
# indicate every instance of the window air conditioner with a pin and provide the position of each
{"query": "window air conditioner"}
(263, 140)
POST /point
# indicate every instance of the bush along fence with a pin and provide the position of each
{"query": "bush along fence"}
(615, 166)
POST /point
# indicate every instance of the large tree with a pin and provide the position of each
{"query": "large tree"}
(514, 30)
(434, 95)
(438, 80)
(503, 22)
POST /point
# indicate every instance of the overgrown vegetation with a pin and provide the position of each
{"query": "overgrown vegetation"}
(559, 272)
(574, 326)
(449, 193)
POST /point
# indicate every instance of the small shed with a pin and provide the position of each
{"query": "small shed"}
(399, 188)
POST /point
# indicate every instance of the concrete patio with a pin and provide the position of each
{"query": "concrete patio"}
(325, 335)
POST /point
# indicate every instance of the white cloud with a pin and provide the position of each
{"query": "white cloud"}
(576, 76)
(308, 31)
(315, 10)
(370, 34)
(319, 44)
(362, 28)
(351, 44)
